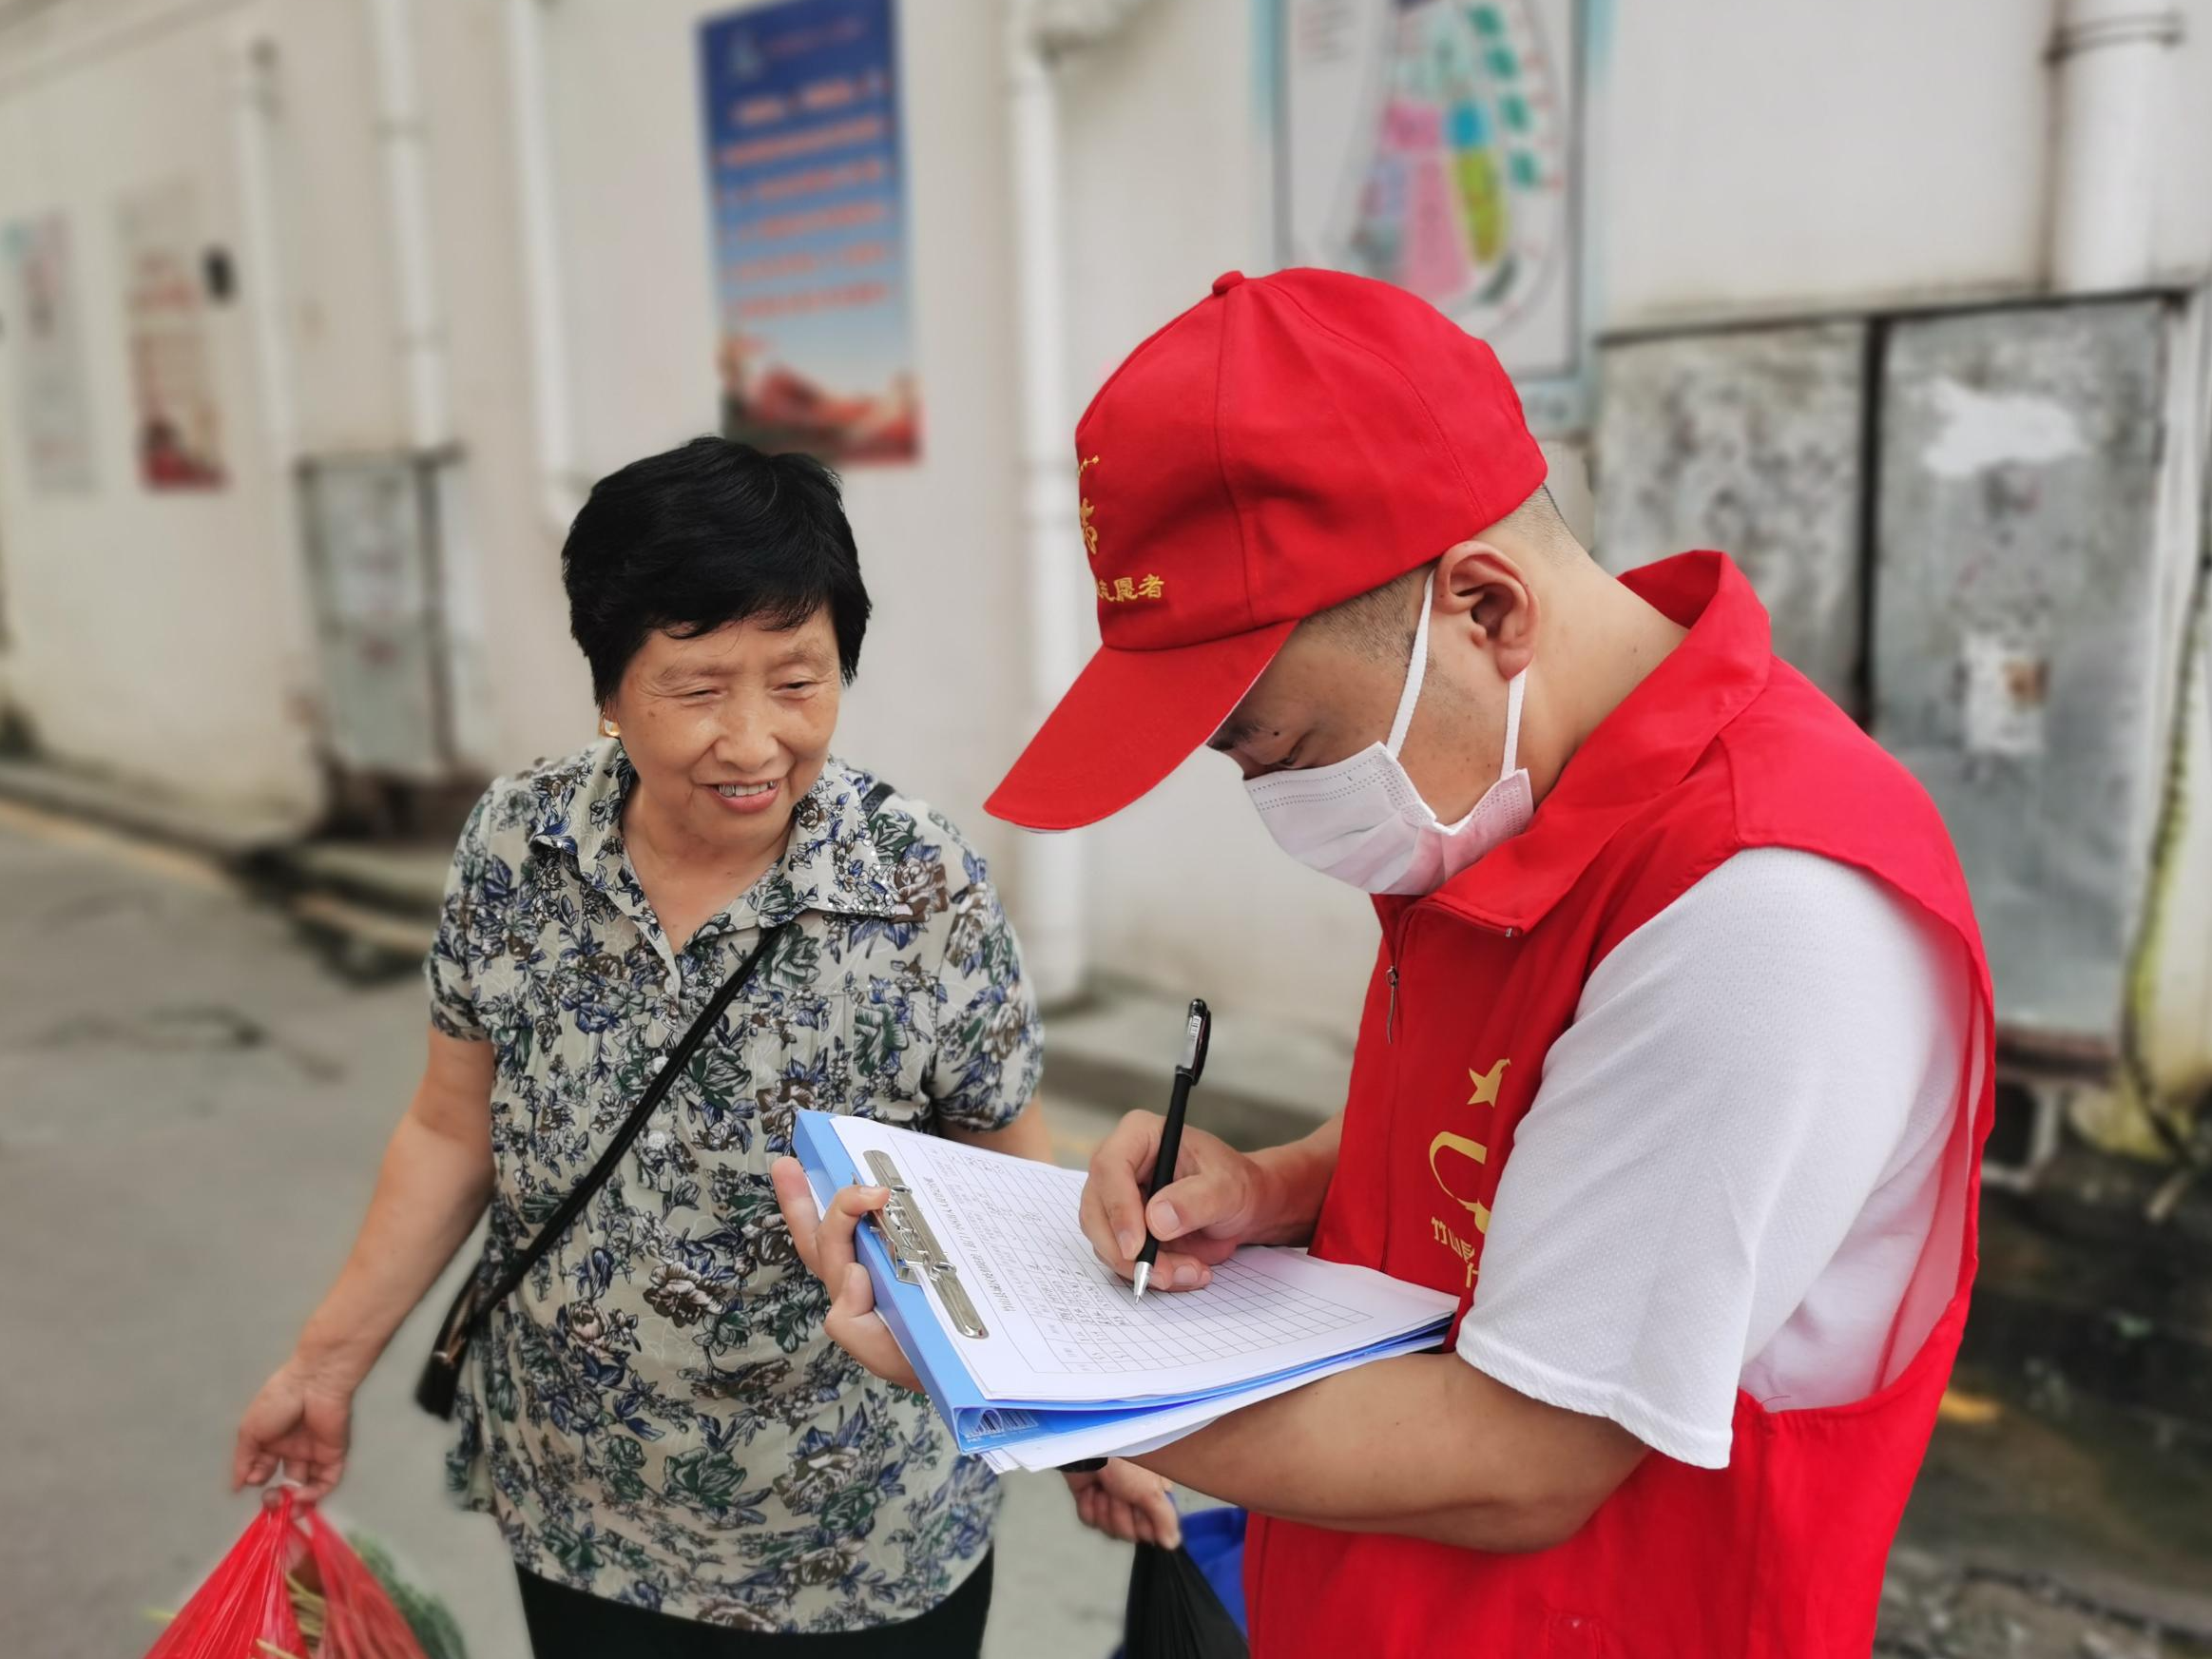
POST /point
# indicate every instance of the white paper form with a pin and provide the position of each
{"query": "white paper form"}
(1147, 1431)
(1063, 1328)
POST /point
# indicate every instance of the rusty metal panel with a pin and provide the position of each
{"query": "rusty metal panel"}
(1749, 441)
(373, 572)
(2016, 634)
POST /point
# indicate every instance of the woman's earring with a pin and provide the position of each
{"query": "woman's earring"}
(608, 729)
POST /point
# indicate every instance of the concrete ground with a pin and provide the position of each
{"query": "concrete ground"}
(191, 1107)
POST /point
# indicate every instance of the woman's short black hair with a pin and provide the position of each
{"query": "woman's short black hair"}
(707, 535)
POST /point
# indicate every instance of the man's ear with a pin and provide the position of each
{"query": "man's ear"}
(1482, 583)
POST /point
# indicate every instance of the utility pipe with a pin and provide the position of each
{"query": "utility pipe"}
(2113, 60)
(560, 489)
(1048, 881)
(1048, 868)
(256, 106)
(404, 148)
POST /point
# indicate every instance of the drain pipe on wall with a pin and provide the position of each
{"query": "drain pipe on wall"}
(256, 108)
(258, 135)
(1048, 880)
(2114, 61)
(561, 491)
(403, 147)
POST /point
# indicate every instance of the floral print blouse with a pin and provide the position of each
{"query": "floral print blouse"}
(656, 1417)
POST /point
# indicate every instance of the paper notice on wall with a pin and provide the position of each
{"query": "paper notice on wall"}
(2007, 686)
(806, 188)
(1437, 146)
(53, 407)
(177, 417)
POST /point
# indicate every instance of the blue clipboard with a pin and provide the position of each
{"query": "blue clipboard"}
(905, 1305)
(979, 1423)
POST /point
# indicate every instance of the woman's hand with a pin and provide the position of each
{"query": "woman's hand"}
(435, 1182)
(825, 1244)
(1121, 1501)
(301, 1423)
(1127, 1502)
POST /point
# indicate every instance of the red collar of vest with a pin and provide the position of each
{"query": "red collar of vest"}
(1646, 746)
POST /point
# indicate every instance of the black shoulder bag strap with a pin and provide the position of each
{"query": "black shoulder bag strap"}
(441, 1373)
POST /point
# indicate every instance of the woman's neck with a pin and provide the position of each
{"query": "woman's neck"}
(689, 877)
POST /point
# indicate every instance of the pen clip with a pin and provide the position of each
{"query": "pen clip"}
(1198, 1032)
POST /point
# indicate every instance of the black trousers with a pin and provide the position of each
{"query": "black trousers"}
(572, 1624)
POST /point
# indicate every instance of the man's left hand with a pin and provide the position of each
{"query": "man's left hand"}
(825, 1244)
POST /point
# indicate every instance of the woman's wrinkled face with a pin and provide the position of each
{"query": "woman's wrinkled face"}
(727, 731)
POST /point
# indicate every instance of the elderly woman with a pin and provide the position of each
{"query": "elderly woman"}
(679, 1460)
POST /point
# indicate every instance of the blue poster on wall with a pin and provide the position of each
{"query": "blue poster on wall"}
(807, 199)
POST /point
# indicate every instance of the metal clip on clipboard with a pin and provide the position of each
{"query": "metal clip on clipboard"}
(914, 1249)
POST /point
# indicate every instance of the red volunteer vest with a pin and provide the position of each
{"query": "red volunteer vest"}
(1780, 1554)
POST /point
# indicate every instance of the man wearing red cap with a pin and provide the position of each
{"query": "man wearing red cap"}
(1675, 1062)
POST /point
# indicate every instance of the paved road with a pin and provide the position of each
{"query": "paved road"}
(190, 1113)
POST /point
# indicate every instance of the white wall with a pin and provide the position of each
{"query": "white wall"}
(334, 227)
(208, 589)
(942, 674)
(1164, 158)
(1803, 157)
(1900, 149)
(1901, 153)
(156, 634)
(521, 688)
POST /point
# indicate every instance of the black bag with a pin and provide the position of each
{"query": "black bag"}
(441, 1374)
(1174, 1610)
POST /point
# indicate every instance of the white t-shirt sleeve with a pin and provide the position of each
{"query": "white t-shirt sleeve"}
(1731, 1166)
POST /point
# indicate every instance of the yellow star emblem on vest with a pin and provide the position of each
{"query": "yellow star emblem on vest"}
(1486, 1083)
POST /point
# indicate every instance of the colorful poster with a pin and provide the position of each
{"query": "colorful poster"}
(807, 200)
(1436, 144)
(177, 421)
(52, 405)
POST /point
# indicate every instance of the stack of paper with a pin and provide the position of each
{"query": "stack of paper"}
(1070, 1364)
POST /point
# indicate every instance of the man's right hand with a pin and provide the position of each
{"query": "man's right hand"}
(1220, 1199)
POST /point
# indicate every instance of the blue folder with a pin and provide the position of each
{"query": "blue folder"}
(979, 1423)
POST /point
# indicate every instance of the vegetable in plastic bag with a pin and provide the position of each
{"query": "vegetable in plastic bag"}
(291, 1587)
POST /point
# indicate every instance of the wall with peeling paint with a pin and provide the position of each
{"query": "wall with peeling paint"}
(2019, 641)
(1750, 441)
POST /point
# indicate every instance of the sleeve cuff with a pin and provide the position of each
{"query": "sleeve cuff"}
(465, 1031)
(1699, 1445)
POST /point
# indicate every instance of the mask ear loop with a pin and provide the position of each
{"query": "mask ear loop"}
(1415, 671)
(1514, 689)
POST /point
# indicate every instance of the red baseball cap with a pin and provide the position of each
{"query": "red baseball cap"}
(1288, 443)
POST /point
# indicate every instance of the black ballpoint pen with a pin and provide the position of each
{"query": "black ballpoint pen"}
(1196, 1032)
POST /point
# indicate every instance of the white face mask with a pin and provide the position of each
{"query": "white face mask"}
(1362, 820)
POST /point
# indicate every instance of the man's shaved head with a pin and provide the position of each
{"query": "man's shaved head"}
(1379, 623)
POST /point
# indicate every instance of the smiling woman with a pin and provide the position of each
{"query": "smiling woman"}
(716, 594)
(679, 1460)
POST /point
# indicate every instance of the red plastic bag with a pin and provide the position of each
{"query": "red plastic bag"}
(246, 1609)
(359, 1620)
